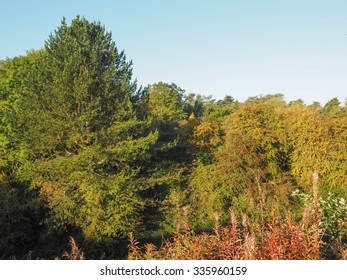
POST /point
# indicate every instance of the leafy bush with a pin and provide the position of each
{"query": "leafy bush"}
(333, 221)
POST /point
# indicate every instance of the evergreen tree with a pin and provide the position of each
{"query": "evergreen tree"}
(82, 144)
(331, 105)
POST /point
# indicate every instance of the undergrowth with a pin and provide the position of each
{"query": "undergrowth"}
(280, 240)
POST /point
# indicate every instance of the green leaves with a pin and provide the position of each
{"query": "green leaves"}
(104, 159)
(73, 132)
(310, 142)
(165, 102)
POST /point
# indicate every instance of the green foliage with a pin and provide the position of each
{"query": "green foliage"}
(14, 85)
(80, 143)
(165, 102)
(260, 126)
(333, 211)
(83, 151)
(337, 176)
(20, 219)
(194, 103)
(254, 153)
(310, 140)
(221, 108)
(331, 105)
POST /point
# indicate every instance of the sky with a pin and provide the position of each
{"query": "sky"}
(218, 47)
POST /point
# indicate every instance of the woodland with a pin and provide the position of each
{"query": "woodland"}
(94, 167)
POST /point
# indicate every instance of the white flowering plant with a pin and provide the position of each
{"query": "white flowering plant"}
(333, 213)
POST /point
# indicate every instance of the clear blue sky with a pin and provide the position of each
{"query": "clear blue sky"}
(233, 47)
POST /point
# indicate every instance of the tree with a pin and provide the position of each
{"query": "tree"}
(165, 102)
(310, 142)
(331, 105)
(194, 104)
(82, 144)
(254, 153)
(14, 85)
(207, 133)
(337, 119)
(221, 108)
(21, 215)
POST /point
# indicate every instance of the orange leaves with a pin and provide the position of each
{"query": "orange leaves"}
(280, 240)
(207, 133)
(291, 241)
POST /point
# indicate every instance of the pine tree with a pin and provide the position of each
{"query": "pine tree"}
(82, 144)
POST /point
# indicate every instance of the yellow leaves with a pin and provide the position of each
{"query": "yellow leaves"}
(2, 178)
(311, 142)
(207, 134)
(191, 116)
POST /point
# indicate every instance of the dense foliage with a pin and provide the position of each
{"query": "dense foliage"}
(87, 157)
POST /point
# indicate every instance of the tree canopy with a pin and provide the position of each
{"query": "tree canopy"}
(86, 153)
(81, 142)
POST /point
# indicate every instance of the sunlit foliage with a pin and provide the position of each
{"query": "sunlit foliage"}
(88, 158)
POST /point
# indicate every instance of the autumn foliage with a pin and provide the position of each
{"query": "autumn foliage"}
(94, 167)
